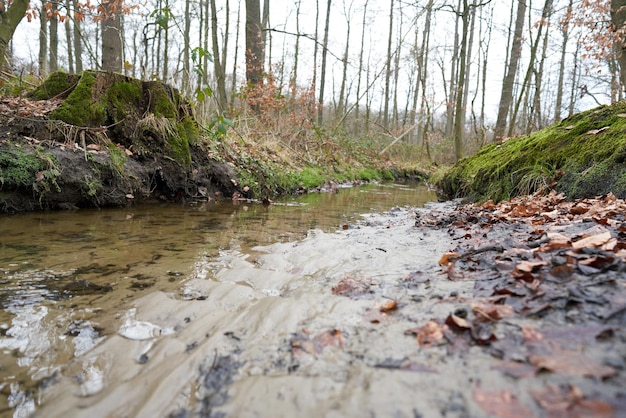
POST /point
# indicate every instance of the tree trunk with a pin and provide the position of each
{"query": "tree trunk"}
(547, 10)
(454, 68)
(233, 85)
(186, 47)
(360, 73)
(293, 82)
(559, 88)
(43, 43)
(388, 70)
(459, 114)
(506, 97)
(111, 28)
(53, 61)
(618, 19)
(68, 39)
(320, 102)
(220, 77)
(344, 74)
(78, 40)
(254, 43)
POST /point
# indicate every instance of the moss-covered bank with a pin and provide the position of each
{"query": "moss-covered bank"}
(582, 156)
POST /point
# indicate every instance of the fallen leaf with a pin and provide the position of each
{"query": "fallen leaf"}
(349, 286)
(429, 334)
(530, 266)
(592, 241)
(388, 305)
(568, 401)
(571, 363)
(516, 369)
(445, 259)
(501, 403)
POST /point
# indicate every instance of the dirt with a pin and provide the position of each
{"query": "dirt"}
(508, 310)
(123, 141)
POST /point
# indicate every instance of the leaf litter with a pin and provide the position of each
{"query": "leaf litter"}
(549, 299)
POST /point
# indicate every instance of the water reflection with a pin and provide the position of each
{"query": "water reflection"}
(68, 279)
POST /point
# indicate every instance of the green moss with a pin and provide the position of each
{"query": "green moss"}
(118, 159)
(122, 99)
(584, 155)
(58, 84)
(161, 99)
(80, 108)
(18, 168)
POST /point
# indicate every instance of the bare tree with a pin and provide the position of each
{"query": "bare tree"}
(254, 43)
(506, 97)
(320, 101)
(388, 69)
(111, 29)
(220, 72)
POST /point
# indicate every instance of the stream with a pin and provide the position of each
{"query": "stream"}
(206, 309)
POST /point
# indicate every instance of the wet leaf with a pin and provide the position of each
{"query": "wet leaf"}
(571, 363)
(502, 404)
(349, 286)
(569, 402)
(388, 305)
(492, 311)
(429, 334)
(456, 323)
(516, 369)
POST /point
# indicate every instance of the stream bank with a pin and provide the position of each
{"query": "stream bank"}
(508, 310)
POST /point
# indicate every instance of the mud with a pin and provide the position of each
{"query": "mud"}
(368, 321)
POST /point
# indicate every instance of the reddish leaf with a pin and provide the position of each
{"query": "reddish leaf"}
(502, 404)
(429, 334)
(571, 363)
(569, 402)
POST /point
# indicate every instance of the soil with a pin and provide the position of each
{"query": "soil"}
(508, 310)
(59, 150)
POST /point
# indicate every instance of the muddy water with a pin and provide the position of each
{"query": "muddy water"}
(133, 312)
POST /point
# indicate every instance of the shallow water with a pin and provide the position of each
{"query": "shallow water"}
(69, 281)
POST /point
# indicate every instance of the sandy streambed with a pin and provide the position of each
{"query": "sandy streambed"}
(362, 322)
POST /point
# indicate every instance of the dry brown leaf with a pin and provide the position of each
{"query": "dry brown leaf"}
(530, 266)
(592, 241)
(445, 259)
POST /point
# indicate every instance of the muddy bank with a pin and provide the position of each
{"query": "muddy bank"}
(514, 310)
(102, 139)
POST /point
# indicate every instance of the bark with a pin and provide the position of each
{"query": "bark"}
(53, 62)
(186, 48)
(9, 19)
(560, 82)
(388, 70)
(344, 74)
(506, 97)
(111, 28)
(78, 40)
(454, 68)
(68, 39)
(43, 43)
(236, 55)
(545, 14)
(220, 76)
(459, 114)
(320, 102)
(618, 19)
(360, 73)
(254, 43)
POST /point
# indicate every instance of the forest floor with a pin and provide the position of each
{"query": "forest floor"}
(509, 310)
